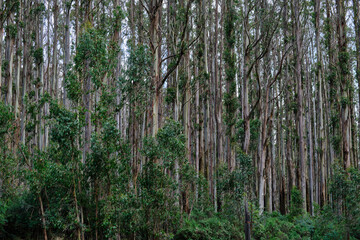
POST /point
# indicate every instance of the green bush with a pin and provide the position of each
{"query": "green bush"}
(213, 227)
(276, 226)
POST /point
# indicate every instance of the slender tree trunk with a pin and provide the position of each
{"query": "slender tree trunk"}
(310, 141)
(43, 220)
(356, 9)
(155, 40)
(9, 74)
(320, 82)
(66, 45)
(219, 74)
(230, 70)
(207, 124)
(245, 91)
(247, 221)
(87, 92)
(197, 131)
(118, 40)
(263, 146)
(54, 85)
(217, 106)
(38, 140)
(300, 117)
(78, 228)
(187, 103)
(1, 47)
(332, 91)
(17, 82)
(270, 169)
(288, 112)
(26, 73)
(344, 82)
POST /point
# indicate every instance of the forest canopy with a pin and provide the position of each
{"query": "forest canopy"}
(180, 119)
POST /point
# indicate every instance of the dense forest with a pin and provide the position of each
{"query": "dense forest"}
(180, 119)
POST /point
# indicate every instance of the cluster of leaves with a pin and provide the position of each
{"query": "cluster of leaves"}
(114, 202)
(328, 222)
(234, 186)
(135, 82)
(276, 226)
(202, 226)
(93, 60)
(7, 163)
(254, 132)
(158, 189)
(345, 188)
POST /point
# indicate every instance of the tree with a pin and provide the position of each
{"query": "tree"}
(161, 119)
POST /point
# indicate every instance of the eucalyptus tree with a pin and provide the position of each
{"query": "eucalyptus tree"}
(356, 10)
(299, 91)
(345, 84)
(161, 119)
(230, 101)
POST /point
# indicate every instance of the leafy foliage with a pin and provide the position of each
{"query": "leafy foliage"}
(200, 227)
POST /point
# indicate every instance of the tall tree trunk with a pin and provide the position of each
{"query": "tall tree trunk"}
(26, 72)
(245, 91)
(263, 146)
(247, 221)
(43, 219)
(299, 91)
(230, 70)
(1, 47)
(320, 83)
(39, 88)
(187, 103)
(17, 82)
(54, 85)
(87, 93)
(310, 141)
(10, 59)
(66, 45)
(331, 90)
(197, 131)
(356, 9)
(288, 112)
(155, 46)
(344, 71)
(217, 105)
